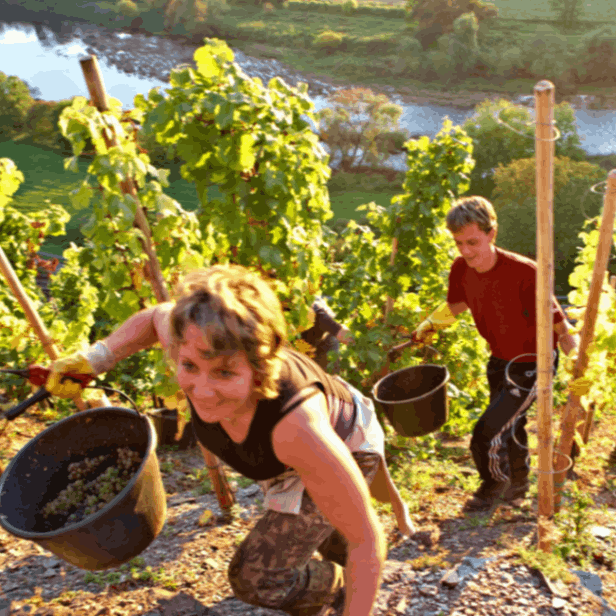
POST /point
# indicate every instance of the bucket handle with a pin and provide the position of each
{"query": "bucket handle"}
(395, 353)
(42, 394)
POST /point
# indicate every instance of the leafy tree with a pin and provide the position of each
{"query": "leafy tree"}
(496, 144)
(41, 124)
(458, 51)
(128, 8)
(595, 56)
(436, 17)
(357, 126)
(515, 201)
(15, 101)
(569, 12)
(193, 15)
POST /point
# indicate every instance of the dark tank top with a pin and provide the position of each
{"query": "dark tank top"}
(255, 457)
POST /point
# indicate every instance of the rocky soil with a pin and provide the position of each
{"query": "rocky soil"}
(455, 565)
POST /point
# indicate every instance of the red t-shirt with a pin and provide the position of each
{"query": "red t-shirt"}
(502, 302)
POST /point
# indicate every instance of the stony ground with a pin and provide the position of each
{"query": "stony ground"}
(455, 565)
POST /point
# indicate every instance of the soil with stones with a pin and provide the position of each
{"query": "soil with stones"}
(455, 564)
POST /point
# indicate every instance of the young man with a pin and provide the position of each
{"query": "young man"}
(498, 287)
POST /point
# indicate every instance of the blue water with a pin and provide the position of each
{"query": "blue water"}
(52, 69)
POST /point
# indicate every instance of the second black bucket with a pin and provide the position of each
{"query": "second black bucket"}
(166, 425)
(120, 530)
(414, 399)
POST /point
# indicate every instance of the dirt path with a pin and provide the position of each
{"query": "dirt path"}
(454, 565)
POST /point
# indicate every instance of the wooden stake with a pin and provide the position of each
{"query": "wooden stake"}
(544, 146)
(96, 88)
(571, 410)
(98, 96)
(32, 315)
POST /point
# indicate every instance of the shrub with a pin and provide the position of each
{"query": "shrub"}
(15, 101)
(515, 202)
(436, 17)
(596, 56)
(457, 52)
(496, 144)
(194, 16)
(329, 41)
(465, 30)
(568, 12)
(409, 54)
(349, 7)
(41, 124)
(361, 128)
(128, 8)
(547, 55)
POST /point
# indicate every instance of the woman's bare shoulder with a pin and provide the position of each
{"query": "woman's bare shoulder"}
(162, 323)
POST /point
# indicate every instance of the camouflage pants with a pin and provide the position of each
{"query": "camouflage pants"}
(274, 566)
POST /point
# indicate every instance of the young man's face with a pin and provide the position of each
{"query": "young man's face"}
(476, 247)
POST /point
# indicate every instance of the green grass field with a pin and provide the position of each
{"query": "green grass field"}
(594, 10)
(46, 181)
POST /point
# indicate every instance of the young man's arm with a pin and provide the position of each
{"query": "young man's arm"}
(566, 339)
(458, 308)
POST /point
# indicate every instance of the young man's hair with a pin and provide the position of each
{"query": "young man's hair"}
(469, 210)
(236, 310)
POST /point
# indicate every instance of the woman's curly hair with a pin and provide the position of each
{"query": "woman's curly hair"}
(236, 310)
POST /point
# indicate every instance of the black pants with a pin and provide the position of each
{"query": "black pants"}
(500, 444)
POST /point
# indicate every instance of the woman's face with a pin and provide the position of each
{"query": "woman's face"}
(221, 386)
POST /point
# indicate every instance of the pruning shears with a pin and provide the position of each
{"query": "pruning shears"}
(37, 375)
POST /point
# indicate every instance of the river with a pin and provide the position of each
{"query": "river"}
(133, 64)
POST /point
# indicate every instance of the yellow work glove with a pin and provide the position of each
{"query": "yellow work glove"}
(441, 318)
(76, 364)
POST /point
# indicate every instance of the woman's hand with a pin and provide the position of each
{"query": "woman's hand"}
(77, 363)
(305, 440)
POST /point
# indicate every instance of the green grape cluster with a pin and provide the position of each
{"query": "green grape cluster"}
(81, 497)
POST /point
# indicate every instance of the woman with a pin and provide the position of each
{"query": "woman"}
(275, 416)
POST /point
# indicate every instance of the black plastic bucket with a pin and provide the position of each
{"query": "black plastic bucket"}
(39, 471)
(166, 425)
(414, 399)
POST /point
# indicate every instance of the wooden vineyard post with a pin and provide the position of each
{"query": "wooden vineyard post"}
(544, 147)
(32, 315)
(98, 96)
(572, 407)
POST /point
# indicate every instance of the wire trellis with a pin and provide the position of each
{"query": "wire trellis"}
(499, 120)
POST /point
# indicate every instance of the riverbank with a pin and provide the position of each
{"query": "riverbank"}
(142, 53)
(154, 56)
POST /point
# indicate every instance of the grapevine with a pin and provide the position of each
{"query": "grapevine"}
(438, 173)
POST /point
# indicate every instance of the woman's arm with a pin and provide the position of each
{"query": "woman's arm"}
(305, 440)
(141, 331)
